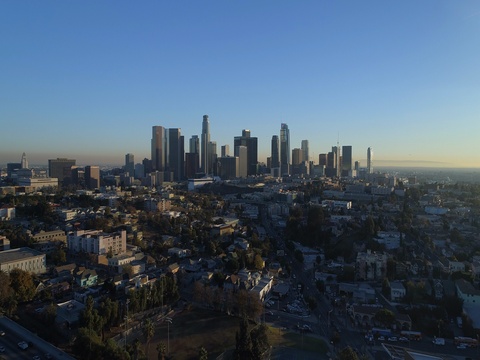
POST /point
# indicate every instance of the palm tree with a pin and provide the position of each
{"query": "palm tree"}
(203, 354)
(148, 332)
(162, 350)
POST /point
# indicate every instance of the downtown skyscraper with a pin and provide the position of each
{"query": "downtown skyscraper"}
(204, 142)
(159, 148)
(369, 160)
(284, 149)
(176, 154)
(346, 160)
(251, 144)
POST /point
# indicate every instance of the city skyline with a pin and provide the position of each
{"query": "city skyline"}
(89, 81)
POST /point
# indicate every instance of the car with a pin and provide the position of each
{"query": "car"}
(307, 328)
(403, 339)
(22, 345)
(392, 338)
(2, 349)
(2, 333)
(381, 338)
(461, 346)
(36, 357)
(48, 356)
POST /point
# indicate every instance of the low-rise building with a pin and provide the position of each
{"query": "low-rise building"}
(397, 291)
(97, 242)
(24, 258)
(371, 265)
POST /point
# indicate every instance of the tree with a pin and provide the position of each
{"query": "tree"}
(59, 256)
(50, 314)
(347, 354)
(243, 344)
(22, 284)
(162, 350)
(232, 266)
(148, 332)
(386, 288)
(260, 343)
(258, 262)
(385, 317)
(5, 289)
(298, 256)
(202, 354)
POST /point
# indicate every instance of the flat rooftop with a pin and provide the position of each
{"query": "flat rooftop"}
(12, 255)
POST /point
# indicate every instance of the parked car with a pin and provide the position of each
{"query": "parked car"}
(22, 345)
(461, 346)
(381, 338)
(403, 339)
(2, 349)
(392, 338)
(2, 333)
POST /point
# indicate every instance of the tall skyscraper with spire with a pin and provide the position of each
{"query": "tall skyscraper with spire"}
(369, 160)
(205, 140)
(284, 149)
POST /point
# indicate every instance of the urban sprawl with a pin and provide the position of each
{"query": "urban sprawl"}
(200, 255)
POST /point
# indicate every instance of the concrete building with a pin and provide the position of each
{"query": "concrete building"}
(97, 242)
(92, 177)
(251, 144)
(130, 164)
(371, 265)
(346, 160)
(61, 169)
(38, 183)
(176, 154)
(24, 258)
(228, 167)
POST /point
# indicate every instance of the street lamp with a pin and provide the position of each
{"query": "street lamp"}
(169, 321)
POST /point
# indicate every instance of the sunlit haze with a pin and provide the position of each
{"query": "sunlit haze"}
(88, 80)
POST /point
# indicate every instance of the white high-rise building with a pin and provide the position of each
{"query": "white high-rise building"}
(24, 161)
(370, 160)
(97, 242)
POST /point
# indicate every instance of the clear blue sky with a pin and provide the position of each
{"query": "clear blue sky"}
(88, 79)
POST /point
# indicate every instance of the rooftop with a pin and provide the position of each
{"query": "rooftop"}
(18, 254)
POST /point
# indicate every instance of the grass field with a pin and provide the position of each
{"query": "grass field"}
(214, 331)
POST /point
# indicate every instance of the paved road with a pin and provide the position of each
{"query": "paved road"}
(15, 333)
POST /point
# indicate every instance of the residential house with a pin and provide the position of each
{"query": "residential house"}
(86, 277)
(397, 291)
